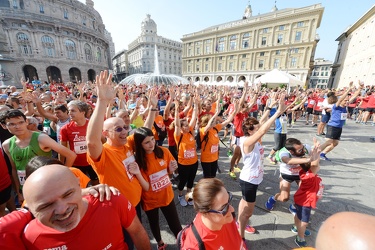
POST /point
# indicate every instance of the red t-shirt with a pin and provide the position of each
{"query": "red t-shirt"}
(311, 102)
(263, 100)
(4, 174)
(100, 228)
(11, 228)
(170, 132)
(226, 238)
(364, 102)
(306, 194)
(319, 102)
(371, 101)
(76, 137)
(237, 122)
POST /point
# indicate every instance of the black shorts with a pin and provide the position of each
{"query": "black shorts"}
(317, 112)
(372, 110)
(361, 109)
(89, 171)
(290, 178)
(5, 194)
(333, 133)
(309, 110)
(249, 191)
(280, 140)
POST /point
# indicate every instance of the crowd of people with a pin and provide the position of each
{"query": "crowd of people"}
(142, 139)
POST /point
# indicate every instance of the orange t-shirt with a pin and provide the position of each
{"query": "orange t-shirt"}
(160, 123)
(160, 193)
(83, 179)
(187, 152)
(111, 169)
(210, 151)
(213, 107)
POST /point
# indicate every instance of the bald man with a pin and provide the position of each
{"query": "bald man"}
(347, 231)
(66, 220)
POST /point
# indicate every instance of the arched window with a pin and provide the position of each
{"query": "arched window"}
(98, 54)
(24, 44)
(88, 53)
(70, 49)
(48, 45)
(245, 40)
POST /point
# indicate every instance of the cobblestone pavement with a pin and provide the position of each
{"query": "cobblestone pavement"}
(349, 181)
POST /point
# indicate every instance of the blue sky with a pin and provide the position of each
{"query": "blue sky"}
(175, 18)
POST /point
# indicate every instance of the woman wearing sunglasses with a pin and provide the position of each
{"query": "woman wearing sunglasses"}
(214, 226)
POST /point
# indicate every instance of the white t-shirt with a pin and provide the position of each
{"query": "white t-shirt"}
(326, 105)
(252, 170)
(291, 169)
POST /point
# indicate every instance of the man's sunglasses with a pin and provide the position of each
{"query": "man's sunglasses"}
(225, 209)
(119, 129)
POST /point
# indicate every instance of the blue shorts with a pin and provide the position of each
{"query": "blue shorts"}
(303, 213)
(326, 117)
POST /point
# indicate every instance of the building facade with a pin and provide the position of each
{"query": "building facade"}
(120, 65)
(321, 73)
(248, 48)
(355, 56)
(141, 52)
(58, 40)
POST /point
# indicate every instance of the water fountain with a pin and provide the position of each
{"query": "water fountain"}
(154, 78)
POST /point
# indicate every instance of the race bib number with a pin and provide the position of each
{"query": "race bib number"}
(21, 176)
(47, 130)
(214, 148)
(312, 102)
(344, 116)
(126, 163)
(320, 104)
(159, 180)
(80, 147)
(190, 153)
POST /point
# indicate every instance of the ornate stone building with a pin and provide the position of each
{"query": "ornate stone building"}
(247, 48)
(355, 56)
(321, 73)
(142, 50)
(61, 39)
(120, 65)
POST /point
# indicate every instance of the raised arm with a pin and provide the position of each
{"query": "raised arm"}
(153, 109)
(342, 98)
(213, 118)
(42, 112)
(231, 116)
(194, 116)
(169, 103)
(105, 93)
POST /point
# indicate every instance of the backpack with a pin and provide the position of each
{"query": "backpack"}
(162, 134)
(196, 234)
(205, 139)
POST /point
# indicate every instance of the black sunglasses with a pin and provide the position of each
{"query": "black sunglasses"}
(225, 209)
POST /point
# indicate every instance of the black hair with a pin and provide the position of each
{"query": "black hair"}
(140, 154)
(61, 107)
(290, 142)
(38, 162)
(12, 113)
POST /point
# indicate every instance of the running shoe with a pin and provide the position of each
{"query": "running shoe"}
(236, 169)
(323, 133)
(248, 229)
(233, 175)
(292, 209)
(324, 157)
(182, 200)
(300, 243)
(272, 160)
(295, 230)
(190, 202)
(315, 125)
(162, 247)
(270, 203)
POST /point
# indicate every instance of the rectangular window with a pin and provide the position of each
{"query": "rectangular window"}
(279, 38)
(197, 68)
(264, 40)
(15, 4)
(296, 50)
(261, 63)
(326, 74)
(300, 24)
(243, 65)
(231, 57)
(293, 62)
(41, 8)
(206, 67)
(219, 66)
(189, 52)
(208, 49)
(220, 47)
(65, 14)
(244, 56)
(265, 30)
(189, 68)
(277, 52)
(261, 54)
(321, 73)
(282, 27)
(298, 36)
(220, 58)
(231, 66)
(276, 64)
(198, 51)
(245, 44)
